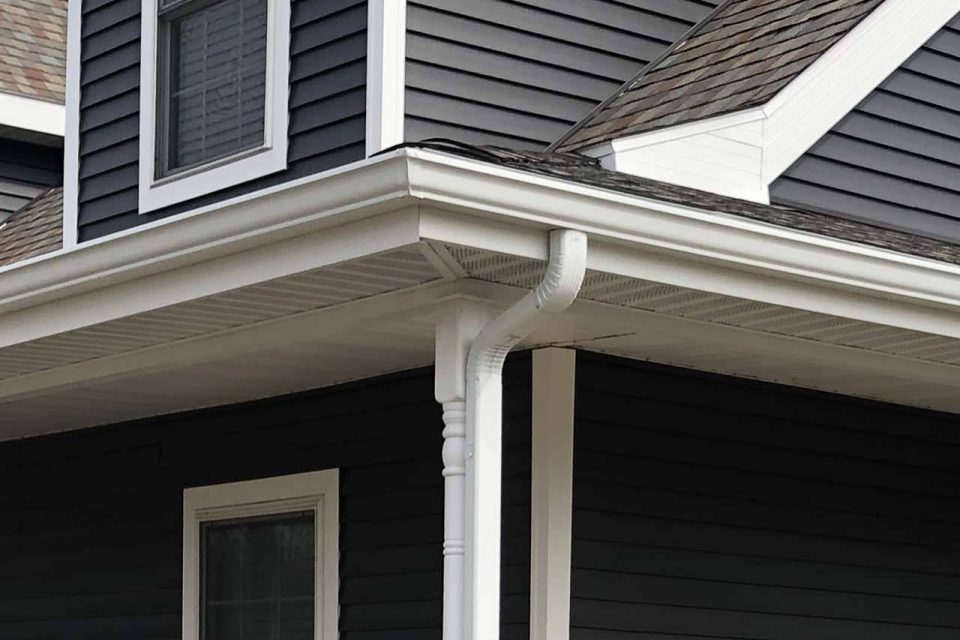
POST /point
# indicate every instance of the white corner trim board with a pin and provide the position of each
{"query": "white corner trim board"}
(743, 153)
(71, 142)
(316, 491)
(156, 194)
(386, 76)
(551, 511)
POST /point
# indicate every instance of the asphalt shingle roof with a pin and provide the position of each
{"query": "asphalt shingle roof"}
(33, 42)
(579, 168)
(739, 57)
(34, 230)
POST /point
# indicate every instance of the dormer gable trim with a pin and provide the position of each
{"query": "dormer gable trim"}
(742, 153)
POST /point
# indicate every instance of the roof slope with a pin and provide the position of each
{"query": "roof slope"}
(33, 42)
(34, 230)
(739, 57)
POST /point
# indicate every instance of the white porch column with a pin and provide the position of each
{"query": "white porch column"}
(551, 512)
(459, 325)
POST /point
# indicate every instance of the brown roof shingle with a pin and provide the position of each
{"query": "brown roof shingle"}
(739, 57)
(33, 41)
(34, 230)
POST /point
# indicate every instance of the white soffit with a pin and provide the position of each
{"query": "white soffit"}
(741, 154)
(735, 336)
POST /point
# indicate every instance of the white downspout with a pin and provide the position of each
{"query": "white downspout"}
(472, 448)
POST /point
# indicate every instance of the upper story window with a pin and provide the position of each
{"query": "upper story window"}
(214, 96)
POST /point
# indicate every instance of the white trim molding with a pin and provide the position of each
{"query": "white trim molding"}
(386, 75)
(71, 143)
(743, 153)
(551, 512)
(316, 491)
(270, 158)
(32, 114)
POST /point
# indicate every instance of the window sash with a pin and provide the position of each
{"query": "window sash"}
(169, 14)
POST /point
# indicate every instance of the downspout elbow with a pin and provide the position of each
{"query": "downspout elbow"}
(566, 269)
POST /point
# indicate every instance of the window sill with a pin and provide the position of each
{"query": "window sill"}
(157, 194)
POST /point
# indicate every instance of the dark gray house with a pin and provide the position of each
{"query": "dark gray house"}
(480, 319)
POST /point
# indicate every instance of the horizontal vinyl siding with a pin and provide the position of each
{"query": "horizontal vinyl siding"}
(520, 73)
(711, 507)
(90, 521)
(26, 171)
(895, 159)
(327, 105)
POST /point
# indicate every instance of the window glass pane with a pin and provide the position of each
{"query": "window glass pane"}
(217, 82)
(257, 578)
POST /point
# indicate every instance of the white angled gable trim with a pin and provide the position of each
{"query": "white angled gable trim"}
(807, 108)
(386, 77)
(741, 154)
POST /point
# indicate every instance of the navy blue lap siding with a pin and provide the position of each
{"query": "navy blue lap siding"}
(712, 507)
(327, 106)
(519, 73)
(90, 521)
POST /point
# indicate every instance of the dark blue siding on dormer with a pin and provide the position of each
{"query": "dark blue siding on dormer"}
(519, 73)
(895, 159)
(327, 105)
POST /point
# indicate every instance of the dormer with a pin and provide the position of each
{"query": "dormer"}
(733, 105)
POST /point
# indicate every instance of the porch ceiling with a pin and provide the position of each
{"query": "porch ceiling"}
(375, 314)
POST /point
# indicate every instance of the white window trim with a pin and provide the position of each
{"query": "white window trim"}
(271, 158)
(317, 490)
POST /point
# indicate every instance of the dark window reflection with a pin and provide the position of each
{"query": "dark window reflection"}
(257, 578)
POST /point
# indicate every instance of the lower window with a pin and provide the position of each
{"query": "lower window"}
(260, 559)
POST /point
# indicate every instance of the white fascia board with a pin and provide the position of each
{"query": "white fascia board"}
(386, 73)
(690, 247)
(741, 154)
(234, 242)
(32, 114)
(447, 198)
(71, 143)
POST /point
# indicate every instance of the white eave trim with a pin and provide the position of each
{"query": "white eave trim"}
(32, 114)
(478, 204)
(741, 154)
(691, 247)
(361, 189)
(386, 73)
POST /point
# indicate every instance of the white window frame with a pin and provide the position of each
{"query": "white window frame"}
(317, 491)
(226, 172)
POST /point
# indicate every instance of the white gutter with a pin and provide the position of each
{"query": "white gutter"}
(471, 391)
